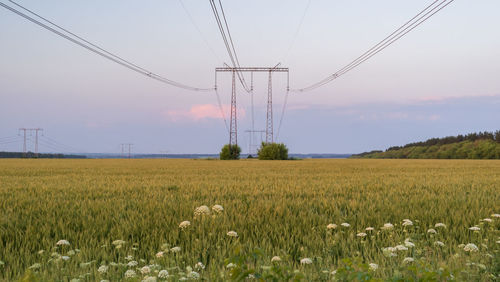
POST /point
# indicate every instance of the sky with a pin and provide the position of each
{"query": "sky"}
(439, 80)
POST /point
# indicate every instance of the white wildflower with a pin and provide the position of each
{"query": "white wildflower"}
(471, 248)
(163, 274)
(149, 279)
(306, 261)
(440, 224)
(251, 276)
(407, 222)
(331, 226)
(276, 259)
(369, 228)
(361, 234)
(129, 257)
(432, 231)
(62, 243)
(199, 266)
(64, 257)
(439, 243)
(217, 208)
(184, 224)
(408, 260)
(103, 269)
(495, 215)
(175, 249)
(474, 228)
(231, 265)
(387, 226)
(202, 210)
(345, 224)
(193, 275)
(401, 248)
(159, 254)
(488, 220)
(373, 266)
(130, 273)
(35, 266)
(132, 263)
(145, 270)
(232, 234)
(409, 244)
(118, 242)
(333, 272)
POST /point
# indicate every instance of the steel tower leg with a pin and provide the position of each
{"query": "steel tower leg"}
(269, 119)
(233, 134)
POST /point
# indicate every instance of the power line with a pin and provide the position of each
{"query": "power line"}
(191, 19)
(231, 51)
(95, 48)
(389, 40)
(292, 43)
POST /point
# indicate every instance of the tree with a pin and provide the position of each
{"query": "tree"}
(230, 152)
(273, 151)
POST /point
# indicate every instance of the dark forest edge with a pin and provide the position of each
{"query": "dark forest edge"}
(482, 145)
(31, 155)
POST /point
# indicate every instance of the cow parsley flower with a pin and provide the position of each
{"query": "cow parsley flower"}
(118, 242)
(407, 222)
(373, 266)
(471, 248)
(276, 259)
(408, 260)
(401, 248)
(345, 224)
(231, 265)
(65, 257)
(331, 226)
(193, 275)
(103, 269)
(439, 243)
(387, 226)
(132, 263)
(474, 228)
(306, 261)
(184, 224)
(35, 266)
(145, 270)
(232, 234)
(149, 279)
(369, 228)
(62, 243)
(432, 231)
(361, 234)
(202, 210)
(159, 254)
(199, 266)
(495, 215)
(217, 208)
(163, 274)
(130, 273)
(440, 224)
(409, 244)
(175, 249)
(488, 219)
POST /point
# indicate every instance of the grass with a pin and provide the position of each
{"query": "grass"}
(277, 208)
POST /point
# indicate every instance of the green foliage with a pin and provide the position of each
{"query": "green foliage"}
(273, 151)
(479, 149)
(230, 152)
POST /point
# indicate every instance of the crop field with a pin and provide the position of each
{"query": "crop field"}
(309, 220)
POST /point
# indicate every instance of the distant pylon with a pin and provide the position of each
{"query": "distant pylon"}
(233, 133)
(129, 145)
(269, 117)
(30, 130)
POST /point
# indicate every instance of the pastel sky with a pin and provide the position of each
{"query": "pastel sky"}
(441, 79)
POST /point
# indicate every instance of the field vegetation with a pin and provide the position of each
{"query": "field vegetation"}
(309, 220)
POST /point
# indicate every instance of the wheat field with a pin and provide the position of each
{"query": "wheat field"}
(309, 220)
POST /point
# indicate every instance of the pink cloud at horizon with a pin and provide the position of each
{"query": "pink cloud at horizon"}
(202, 112)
